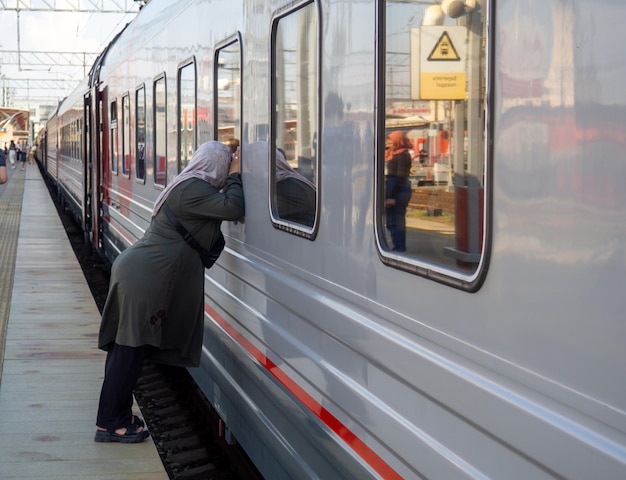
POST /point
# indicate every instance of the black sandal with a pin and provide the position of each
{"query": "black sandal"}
(135, 420)
(130, 436)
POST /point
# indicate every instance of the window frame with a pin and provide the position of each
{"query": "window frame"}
(162, 76)
(126, 132)
(181, 66)
(114, 139)
(141, 89)
(437, 272)
(294, 228)
(219, 47)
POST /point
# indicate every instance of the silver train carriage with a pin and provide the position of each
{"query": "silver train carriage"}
(492, 343)
(50, 151)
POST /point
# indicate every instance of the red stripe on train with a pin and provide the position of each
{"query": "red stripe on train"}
(365, 452)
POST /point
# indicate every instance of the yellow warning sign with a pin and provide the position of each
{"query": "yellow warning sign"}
(443, 86)
(444, 50)
(442, 63)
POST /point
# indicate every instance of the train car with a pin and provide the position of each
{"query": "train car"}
(71, 163)
(40, 144)
(51, 148)
(374, 340)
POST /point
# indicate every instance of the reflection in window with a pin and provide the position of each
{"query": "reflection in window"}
(295, 159)
(186, 114)
(114, 141)
(140, 134)
(432, 169)
(160, 132)
(125, 135)
(228, 96)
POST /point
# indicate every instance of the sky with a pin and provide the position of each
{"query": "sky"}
(55, 32)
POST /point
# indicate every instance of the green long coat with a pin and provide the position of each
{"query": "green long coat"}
(156, 292)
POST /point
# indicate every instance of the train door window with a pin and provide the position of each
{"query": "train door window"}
(140, 134)
(294, 171)
(114, 140)
(125, 135)
(186, 113)
(77, 139)
(227, 86)
(160, 132)
(432, 138)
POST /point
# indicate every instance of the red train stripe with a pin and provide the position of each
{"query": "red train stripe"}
(365, 452)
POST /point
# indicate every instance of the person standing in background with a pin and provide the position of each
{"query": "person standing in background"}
(12, 153)
(31, 154)
(23, 154)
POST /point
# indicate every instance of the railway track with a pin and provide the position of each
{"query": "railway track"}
(185, 428)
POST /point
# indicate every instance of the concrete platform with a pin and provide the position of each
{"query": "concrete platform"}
(51, 368)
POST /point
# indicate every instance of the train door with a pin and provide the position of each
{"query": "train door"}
(44, 154)
(96, 169)
(87, 167)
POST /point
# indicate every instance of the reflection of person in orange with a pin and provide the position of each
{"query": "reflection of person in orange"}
(397, 187)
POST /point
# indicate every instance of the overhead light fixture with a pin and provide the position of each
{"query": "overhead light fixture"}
(433, 15)
(457, 8)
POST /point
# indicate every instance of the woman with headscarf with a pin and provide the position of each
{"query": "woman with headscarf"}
(397, 187)
(295, 195)
(155, 305)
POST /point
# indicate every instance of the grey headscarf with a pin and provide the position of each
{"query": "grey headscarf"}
(210, 163)
(284, 170)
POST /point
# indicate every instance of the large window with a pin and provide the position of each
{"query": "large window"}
(228, 93)
(295, 156)
(126, 135)
(140, 134)
(114, 140)
(432, 137)
(160, 132)
(187, 120)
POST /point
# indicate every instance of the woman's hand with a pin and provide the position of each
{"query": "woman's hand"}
(235, 163)
(390, 202)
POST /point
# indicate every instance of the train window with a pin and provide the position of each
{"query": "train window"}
(160, 132)
(114, 140)
(294, 172)
(77, 140)
(432, 137)
(125, 135)
(186, 113)
(227, 86)
(140, 134)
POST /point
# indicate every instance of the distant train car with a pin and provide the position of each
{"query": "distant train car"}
(51, 147)
(40, 144)
(71, 163)
(469, 329)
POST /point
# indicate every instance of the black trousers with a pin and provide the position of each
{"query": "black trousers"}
(121, 371)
